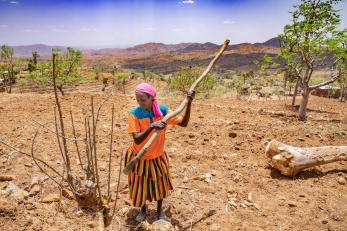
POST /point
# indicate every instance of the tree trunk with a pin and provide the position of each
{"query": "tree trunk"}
(303, 103)
(60, 88)
(295, 91)
(343, 93)
(290, 160)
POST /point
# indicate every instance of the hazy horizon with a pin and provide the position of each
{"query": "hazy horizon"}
(120, 24)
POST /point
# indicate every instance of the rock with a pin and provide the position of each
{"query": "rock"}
(213, 143)
(90, 224)
(162, 225)
(50, 198)
(171, 150)
(20, 195)
(29, 165)
(11, 188)
(67, 194)
(324, 221)
(341, 180)
(208, 177)
(6, 177)
(30, 206)
(35, 190)
(232, 134)
(292, 204)
(215, 227)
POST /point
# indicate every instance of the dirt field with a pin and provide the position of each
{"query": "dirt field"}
(314, 200)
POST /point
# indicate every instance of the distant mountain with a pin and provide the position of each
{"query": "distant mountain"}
(166, 58)
(155, 48)
(274, 42)
(198, 47)
(43, 50)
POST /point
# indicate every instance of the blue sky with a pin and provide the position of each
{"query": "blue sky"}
(125, 23)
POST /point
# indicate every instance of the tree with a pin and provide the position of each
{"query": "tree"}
(66, 69)
(183, 79)
(311, 41)
(33, 62)
(7, 56)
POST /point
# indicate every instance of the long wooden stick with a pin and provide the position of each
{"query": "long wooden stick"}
(183, 105)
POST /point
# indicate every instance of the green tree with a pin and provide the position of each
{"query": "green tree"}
(7, 57)
(182, 79)
(33, 62)
(310, 40)
(66, 69)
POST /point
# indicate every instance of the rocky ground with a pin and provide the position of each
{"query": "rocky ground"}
(218, 163)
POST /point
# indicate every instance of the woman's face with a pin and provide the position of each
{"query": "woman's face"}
(144, 100)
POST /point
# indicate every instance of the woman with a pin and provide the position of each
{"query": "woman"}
(150, 179)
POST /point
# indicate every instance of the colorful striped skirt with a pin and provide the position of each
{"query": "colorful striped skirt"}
(149, 180)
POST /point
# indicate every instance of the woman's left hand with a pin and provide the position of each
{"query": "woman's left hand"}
(191, 95)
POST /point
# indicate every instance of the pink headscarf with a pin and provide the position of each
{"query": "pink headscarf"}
(149, 89)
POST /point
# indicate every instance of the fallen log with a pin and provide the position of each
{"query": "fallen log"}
(290, 160)
(182, 106)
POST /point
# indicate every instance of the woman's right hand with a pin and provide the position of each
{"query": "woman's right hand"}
(158, 124)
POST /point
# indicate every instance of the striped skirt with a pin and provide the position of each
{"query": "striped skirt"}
(149, 180)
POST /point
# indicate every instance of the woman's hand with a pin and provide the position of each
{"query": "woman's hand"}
(158, 124)
(190, 95)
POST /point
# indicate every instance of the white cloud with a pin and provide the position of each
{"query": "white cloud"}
(14, 2)
(187, 2)
(228, 22)
(3, 26)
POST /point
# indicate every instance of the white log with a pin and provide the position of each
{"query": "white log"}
(290, 160)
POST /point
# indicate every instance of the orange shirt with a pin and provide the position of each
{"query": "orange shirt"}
(139, 120)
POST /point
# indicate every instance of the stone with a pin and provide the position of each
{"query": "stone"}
(11, 188)
(292, 204)
(29, 165)
(35, 190)
(341, 180)
(6, 177)
(50, 198)
(215, 227)
(162, 225)
(20, 195)
(67, 194)
(232, 134)
(90, 224)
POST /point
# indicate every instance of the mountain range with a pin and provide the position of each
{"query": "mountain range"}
(166, 58)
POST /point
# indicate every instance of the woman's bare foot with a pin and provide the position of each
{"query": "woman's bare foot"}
(162, 216)
(142, 214)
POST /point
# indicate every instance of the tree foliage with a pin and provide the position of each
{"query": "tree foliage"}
(184, 78)
(311, 41)
(66, 69)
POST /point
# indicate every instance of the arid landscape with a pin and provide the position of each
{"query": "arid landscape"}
(261, 88)
(218, 163)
